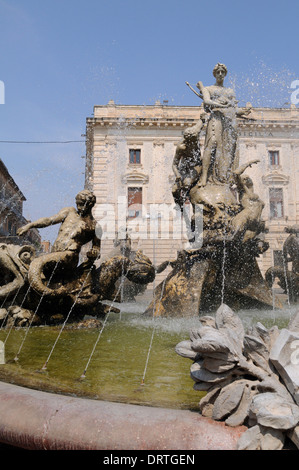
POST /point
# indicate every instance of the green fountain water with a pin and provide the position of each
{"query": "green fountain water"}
(123, 356)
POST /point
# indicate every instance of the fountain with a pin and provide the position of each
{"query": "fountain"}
(55, 280)
(63, 335)
(224, 268)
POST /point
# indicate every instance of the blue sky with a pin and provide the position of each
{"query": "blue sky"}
(60, 58)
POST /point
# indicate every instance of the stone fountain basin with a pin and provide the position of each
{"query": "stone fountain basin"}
(36, 420)
(40, 411)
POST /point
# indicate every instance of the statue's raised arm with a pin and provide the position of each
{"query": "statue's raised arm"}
(207, 99)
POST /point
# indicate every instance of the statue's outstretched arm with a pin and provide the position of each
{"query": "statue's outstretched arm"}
(44, 222)
(242, 112)
(242, 168)
(237, 175)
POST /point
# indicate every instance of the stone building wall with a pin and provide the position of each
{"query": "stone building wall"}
(154, 132)
(11, 211)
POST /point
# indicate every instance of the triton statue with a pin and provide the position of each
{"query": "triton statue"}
(52, 285)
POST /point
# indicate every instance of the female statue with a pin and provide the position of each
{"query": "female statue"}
(221, 134)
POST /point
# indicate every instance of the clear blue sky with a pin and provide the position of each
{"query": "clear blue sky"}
(61, 57)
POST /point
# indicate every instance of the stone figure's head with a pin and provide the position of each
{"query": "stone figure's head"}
(247, 181)
(294, 229)
(85, 200)
(189, 134)
(220, 71)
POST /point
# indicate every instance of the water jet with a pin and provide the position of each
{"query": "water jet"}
(218, 266)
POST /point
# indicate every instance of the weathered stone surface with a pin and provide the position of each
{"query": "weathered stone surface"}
(231, 326)
(3, 313)
(294, 436)
(206, 404)
(250, 439)
(271, 410)
(36, 420)
(284, 355)
(217, 365)
(207, 410)
(207, 320)
(256, 350)
(238, 417)
(268, 336)
(184, 349)
(202, 386)
(228, 399)
(274, 332)
(199, 374)
(259, 330)
(294, 324)
(213, 343)
(225, 317)
(180, 294)
(261, 438)
(18, 316)
(272, 439)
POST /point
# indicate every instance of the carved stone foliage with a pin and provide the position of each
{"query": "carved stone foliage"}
(249, 378)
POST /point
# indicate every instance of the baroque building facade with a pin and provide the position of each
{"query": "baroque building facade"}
(129, 156)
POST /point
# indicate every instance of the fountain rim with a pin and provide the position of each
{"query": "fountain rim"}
(37, 420)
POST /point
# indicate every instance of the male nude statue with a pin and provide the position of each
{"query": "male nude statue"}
(186, 163)
(252, 206)
(77, 228)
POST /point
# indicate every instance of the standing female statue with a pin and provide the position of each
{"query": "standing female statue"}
(221, 134)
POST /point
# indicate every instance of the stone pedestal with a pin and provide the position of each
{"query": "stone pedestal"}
(181, 293)
(204, 279)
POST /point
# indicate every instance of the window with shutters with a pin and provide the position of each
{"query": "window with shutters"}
(276, 203)
(134, 202)
(134, 156)
(273, 157)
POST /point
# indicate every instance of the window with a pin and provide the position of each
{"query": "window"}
(134, 202)
(273, 157)
(276, 203)
(134, 156)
